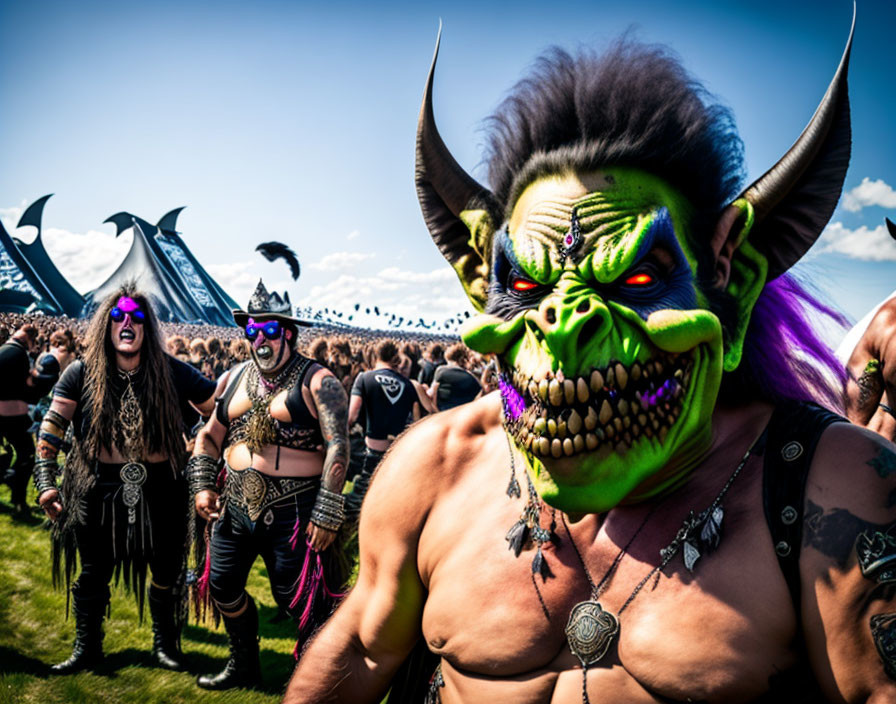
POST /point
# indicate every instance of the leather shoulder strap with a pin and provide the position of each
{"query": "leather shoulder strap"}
(223, 401)
(794, 431)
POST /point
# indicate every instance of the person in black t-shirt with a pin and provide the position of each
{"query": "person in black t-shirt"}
(123, 500)
(389, 401)
(20, 386)
(432, 360)
(452, 385)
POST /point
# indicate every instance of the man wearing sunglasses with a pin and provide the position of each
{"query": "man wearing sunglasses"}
(122, 506)
(281, 427)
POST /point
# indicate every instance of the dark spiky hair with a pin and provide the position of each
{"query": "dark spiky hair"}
(634, 106)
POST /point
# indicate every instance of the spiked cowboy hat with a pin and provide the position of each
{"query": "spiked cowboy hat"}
(270, 306)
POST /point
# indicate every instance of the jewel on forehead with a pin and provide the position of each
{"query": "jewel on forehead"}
(127, 304)
(573, 238)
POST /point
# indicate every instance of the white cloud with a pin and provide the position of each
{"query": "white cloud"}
(435, 296)
(85, 259)
(338, 261)
(10, 217)
(862, 243)
(353, 235)
(239, 279)
(869, 193)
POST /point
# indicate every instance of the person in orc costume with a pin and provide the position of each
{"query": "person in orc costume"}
(682, 523)
(122, 506)
(281, 426)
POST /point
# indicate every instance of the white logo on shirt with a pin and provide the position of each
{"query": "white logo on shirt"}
(391, 386)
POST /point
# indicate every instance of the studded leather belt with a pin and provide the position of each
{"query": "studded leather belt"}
(254, 491)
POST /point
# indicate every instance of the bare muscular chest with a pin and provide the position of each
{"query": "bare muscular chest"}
(715, 634)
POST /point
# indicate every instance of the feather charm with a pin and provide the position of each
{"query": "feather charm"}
(711, 533)
(517, 537)
(691, 555)
(513, 487)
(540, 566)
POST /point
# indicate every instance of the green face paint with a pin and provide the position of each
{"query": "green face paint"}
(597, 319)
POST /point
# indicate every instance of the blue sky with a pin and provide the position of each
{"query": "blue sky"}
(296, 122)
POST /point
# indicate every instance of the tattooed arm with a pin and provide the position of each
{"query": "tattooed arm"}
(848, 566)
(356, 653)
(331, 404)
(872, 375)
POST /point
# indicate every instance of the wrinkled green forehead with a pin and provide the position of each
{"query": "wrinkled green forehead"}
(614, 208)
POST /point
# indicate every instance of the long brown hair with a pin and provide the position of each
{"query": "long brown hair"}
(157, 396)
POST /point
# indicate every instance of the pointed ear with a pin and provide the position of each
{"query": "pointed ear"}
(740, 270)
(461, 215)
(732, 228)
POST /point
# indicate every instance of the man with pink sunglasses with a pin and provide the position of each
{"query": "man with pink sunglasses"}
(281, 428)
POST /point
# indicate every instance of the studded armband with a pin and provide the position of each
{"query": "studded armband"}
(45, 472)
(202, 473)
(329, 510)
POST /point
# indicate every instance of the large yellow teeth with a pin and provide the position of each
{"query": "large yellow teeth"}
(610, 406)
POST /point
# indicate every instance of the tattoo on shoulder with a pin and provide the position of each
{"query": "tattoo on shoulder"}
(870, 384)
(834, 532)
(876, 552)
(883, 631)
(884, 463)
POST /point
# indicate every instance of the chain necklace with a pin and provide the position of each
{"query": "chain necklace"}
(260, 428)
(591, 629)
(133, 472)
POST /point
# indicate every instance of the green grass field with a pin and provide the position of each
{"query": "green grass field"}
(34, 634)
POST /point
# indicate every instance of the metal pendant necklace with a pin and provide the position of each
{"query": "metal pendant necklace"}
(591, 629)
(133, 472)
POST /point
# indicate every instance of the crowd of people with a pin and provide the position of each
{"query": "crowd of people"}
(89, 389)
(666, 447)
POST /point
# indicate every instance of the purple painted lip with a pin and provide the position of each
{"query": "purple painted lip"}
(514, 404)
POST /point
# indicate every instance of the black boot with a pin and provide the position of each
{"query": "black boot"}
(243, 669)
(87, 652)
(165, 632)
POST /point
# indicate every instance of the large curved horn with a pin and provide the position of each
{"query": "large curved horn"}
(795, 199)
(891, 228)
(445, 190)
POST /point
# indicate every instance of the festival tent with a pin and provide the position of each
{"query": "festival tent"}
(142, 266)
(216, 304)
(21, 289)
(67, 299)
(179, 268)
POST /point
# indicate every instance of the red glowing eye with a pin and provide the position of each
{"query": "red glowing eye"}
(523, 285)
(639, 280)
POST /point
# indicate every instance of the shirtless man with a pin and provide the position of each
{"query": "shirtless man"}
(871, 389)
(281, 427)
(682, 525)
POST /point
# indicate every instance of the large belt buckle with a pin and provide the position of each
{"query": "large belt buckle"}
(254, 490)
(133, 474)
